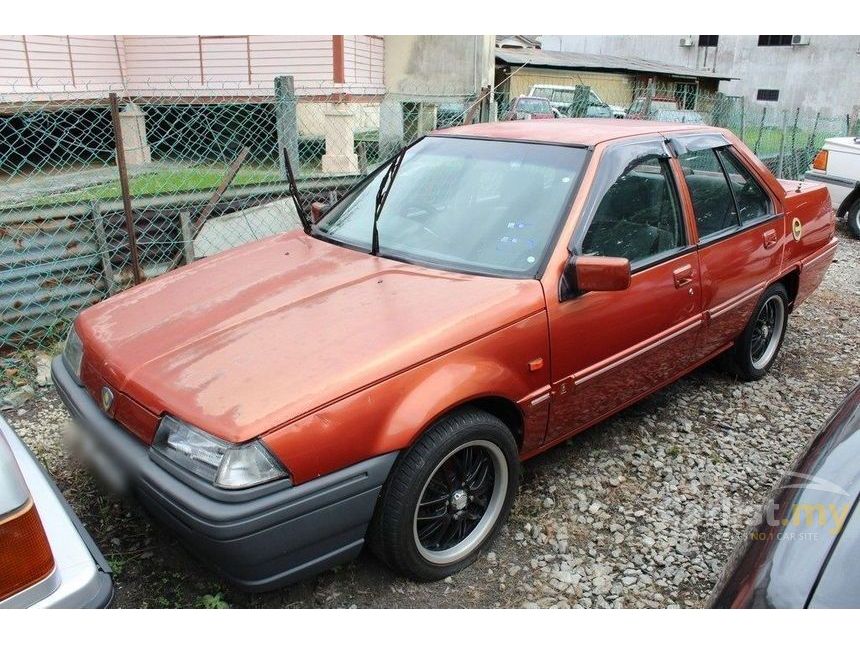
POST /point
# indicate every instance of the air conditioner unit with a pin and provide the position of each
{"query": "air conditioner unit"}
(797, 41)
(686, 41)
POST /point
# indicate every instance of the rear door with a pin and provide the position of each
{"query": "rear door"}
(740, 235)
(610, 348)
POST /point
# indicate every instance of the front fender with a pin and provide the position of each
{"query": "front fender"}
(391, 414)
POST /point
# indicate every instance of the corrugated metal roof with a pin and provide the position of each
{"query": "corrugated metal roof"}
(575, 60)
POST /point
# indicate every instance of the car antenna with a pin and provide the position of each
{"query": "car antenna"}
(294, 192)
(382, 195)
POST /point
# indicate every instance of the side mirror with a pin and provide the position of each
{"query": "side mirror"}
(594, 273)
(318, 211)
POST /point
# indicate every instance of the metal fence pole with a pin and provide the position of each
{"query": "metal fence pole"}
(124, 187)
(810, 143)
(760, 130)
(794, 143)
(104, 250)
(286, 121)
(781, 163)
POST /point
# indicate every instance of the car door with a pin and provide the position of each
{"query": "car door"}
(610, 348)
(740, 235)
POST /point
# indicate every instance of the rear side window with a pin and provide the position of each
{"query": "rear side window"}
(752, 202)
(713, 203)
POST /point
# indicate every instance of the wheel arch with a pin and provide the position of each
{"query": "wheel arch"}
(791, 282)
(853, 196)
(503, 408)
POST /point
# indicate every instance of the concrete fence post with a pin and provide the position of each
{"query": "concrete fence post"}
(287, 122)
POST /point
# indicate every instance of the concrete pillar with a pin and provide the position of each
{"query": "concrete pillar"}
(390, 128)
(287, 124)
(133, 125)
(339, 157)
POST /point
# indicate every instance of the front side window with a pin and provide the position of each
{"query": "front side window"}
(638, 217)
(752, 202)
(713, 203)
(465, 204)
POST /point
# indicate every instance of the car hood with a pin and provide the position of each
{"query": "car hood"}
(248, 340)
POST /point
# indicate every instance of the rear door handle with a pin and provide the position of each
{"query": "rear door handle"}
(770, 239)
(683, 276)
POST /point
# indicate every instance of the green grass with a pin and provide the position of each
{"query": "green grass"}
(162, 182)
(769, 138)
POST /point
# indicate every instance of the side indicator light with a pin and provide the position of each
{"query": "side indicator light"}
(820, 161)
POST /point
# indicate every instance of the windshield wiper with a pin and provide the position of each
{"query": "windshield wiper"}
(382, 195)
(294, 193)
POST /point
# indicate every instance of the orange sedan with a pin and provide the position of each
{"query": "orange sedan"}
(489, 292)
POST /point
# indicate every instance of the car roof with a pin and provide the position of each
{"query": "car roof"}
(555, 87)
(583, 132)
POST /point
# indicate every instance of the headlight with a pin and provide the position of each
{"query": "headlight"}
(73, 352)
(224, 464)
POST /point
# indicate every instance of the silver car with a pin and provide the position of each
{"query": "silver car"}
(47, 558)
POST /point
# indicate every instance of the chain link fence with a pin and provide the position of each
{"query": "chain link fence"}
(201, 174)
(785, 139)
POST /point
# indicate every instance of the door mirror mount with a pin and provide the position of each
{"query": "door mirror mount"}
(584, 273)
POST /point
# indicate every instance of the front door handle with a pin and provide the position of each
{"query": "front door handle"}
(770, 239)
(683, 276)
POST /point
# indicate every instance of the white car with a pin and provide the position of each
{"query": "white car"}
(47, 558)
(564, 97)
(837, 165)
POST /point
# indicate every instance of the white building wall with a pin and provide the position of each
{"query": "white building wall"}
(821, 76)
(194, 64)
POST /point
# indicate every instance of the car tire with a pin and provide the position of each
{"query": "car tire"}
(758, 346)
(465, 466)
(854, 218)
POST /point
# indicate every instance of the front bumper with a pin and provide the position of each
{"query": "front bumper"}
(81, 578)
(257, 541)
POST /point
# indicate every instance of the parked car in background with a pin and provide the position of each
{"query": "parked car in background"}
(47, 558)
(662, 108)
(805, 551)
(564, 99)
(678, 116)
(837, 166)
(450, 114)
(529, 107)
(567, 98)
(486, 294)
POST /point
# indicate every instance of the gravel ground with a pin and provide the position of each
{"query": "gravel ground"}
(640, 511)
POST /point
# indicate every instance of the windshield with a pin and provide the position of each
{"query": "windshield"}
(663, 105)
(533, 106)
(465, 204)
